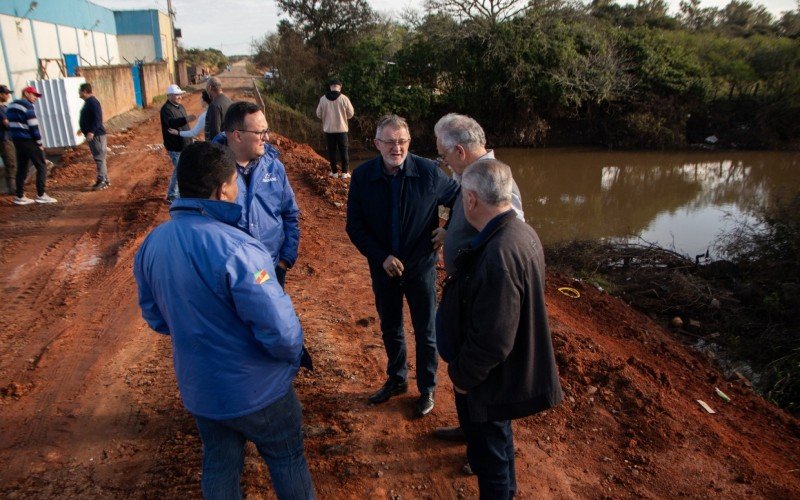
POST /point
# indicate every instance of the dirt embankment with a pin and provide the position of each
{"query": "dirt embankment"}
(90, 406)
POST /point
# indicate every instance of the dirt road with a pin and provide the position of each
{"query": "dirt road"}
(90, 406)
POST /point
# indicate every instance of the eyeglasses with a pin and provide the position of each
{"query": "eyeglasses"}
(261, 133)
(398, 142)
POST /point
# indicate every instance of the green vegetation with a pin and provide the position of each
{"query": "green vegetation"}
(210, 58)
(552, 71)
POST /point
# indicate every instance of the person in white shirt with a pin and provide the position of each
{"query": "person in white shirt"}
(199, 125)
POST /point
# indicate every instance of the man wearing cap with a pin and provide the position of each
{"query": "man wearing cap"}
(173, 115)
(91, 126)
(334, 109)
(23, 127)
(6, 146)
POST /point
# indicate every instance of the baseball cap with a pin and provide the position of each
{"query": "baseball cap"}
(4, 90)
(174, 90)
(32, 90)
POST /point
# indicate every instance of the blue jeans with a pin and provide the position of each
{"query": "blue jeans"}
(277, 433)
(490, 452)
(420, 292)
(172, 191)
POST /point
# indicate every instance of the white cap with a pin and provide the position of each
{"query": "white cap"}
(174, 90)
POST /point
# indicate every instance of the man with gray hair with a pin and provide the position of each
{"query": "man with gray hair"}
(492, 328)
(217, 109)
(460, 142)
(392, 212)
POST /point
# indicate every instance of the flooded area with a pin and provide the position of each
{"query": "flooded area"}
(679, 200)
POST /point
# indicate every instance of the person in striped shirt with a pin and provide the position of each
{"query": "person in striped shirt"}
(23, 130)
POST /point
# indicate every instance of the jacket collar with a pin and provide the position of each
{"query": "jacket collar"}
(223, 211)
(409, 167)
(466, 255)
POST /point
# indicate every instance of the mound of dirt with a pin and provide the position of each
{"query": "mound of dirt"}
(90, 408)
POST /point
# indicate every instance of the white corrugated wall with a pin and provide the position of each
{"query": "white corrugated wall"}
(58, 111)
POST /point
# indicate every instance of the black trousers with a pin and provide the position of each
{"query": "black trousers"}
(490, 452)
(337, 146)
(29, 151)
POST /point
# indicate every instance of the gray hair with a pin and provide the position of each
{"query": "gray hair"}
(454, 129)
(491, 180)
(214, 83)
(393, 121)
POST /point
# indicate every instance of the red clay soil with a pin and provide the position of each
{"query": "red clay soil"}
(90, 406)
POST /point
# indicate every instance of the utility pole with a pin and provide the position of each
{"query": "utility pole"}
(171, 14)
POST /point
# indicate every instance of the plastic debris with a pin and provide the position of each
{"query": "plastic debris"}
(722, 395)
(705, 406)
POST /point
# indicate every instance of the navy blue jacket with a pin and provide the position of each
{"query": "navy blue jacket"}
(236, 341)
(91, 120)
(22, 122)
(424, 188)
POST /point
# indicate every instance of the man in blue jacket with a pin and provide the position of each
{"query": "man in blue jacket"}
(270, 213)
(237, 343)
(392, 214)
(91, 126)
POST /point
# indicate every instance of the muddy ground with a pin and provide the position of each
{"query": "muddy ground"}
(90, 406)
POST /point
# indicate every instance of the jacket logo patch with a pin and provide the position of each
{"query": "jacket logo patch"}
(269, 177)
(261, 277)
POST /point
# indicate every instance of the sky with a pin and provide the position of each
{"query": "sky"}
(232, 25)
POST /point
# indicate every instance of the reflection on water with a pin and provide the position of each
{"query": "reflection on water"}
(677, 200)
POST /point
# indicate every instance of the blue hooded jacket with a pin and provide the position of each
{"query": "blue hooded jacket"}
(270, 214)
(237, 342)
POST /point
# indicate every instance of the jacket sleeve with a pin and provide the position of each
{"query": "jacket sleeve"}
(356, 226)
(446, 189)
(320, 108)
(290, 214)
(150, 311)
(488, 336)
(200, 125)
(261, 303)
(349, 108)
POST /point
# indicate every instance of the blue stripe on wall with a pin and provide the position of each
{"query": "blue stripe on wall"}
(79, 14)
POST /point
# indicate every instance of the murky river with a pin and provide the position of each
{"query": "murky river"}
(682, 201)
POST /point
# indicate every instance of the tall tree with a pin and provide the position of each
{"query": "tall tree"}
(326, 23)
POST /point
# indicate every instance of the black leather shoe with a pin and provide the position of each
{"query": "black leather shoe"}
(455, 433)
(391, 388)
(424, 404)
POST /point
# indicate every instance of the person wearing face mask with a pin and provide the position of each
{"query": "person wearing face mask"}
(236, 340)
(392, 216)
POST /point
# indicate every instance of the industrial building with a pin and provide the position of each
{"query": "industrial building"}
(53, 38)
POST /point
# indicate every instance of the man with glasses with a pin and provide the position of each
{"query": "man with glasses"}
(392, 213)
(173, 115)
(270, 213)
(461, 142)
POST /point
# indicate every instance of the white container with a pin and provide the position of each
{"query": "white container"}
(58, 111)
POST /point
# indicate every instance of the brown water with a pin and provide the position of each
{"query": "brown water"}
(682, 201)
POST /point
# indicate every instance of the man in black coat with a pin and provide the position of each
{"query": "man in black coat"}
(173, 115)
(493, 330)
(392, 212)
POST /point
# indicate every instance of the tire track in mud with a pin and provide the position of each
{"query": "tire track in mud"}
(78, 302)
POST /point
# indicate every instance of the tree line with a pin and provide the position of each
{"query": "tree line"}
(552, 72)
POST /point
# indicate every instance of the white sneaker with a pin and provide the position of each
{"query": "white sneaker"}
(45, 199)
(345, 175)
(22, 201)
(335, 175)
